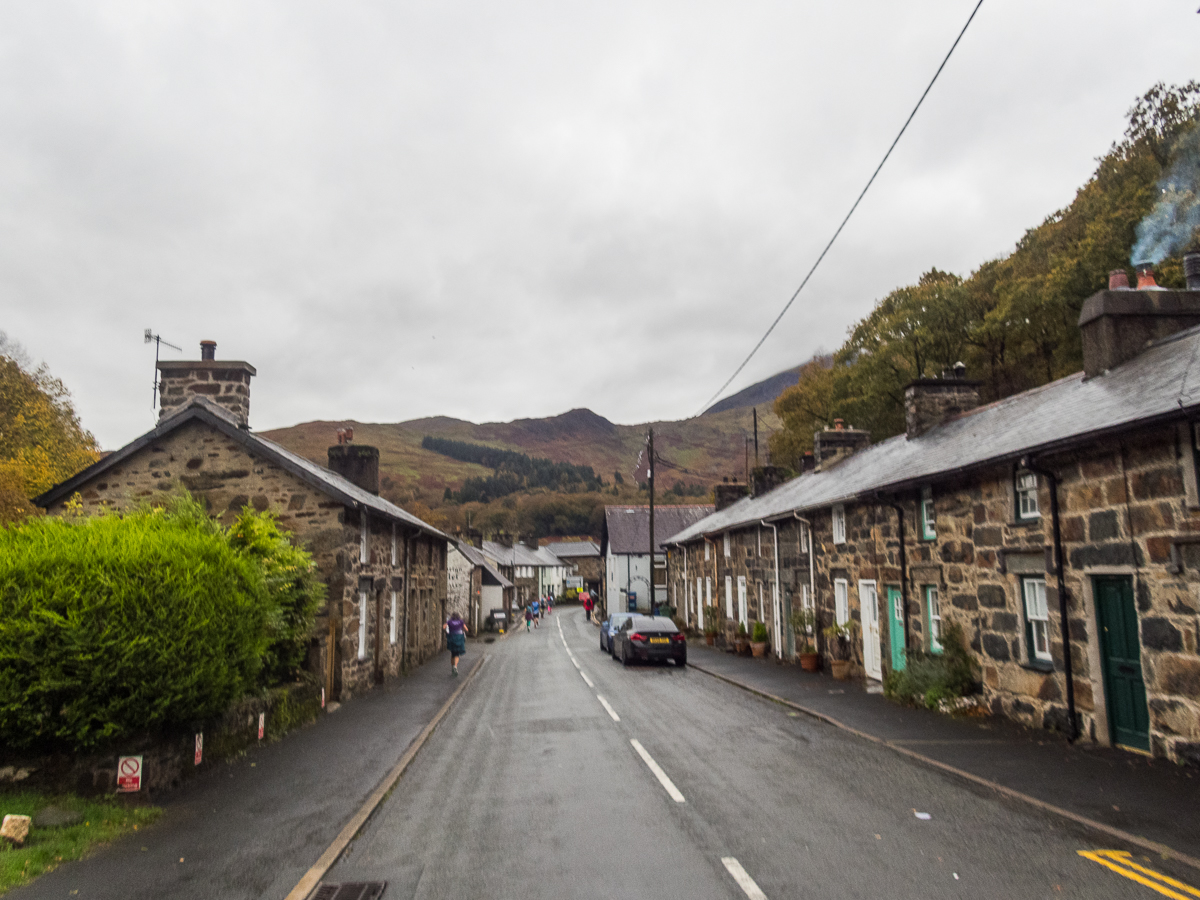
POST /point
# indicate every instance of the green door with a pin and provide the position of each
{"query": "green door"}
(896, 627)
(1120, 652)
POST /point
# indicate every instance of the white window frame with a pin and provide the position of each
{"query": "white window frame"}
(392, 623)
(364, 531)
(729, 596)
(1025, 492)
(1037, 619)
(758, 534)
(362, 624)
(841, 601)
(839, 524)
(933, 615)
(726, 544)
(928, 516)
(395, 550)
(706, 546)
(708, 590)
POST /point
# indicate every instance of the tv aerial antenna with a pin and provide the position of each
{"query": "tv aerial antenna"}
(158, 342)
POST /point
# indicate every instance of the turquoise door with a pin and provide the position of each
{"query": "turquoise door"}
(896, 627)
(1120, 650)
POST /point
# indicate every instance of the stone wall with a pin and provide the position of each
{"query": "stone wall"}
(226, 476)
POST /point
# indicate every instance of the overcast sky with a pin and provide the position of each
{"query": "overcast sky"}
(499, 210)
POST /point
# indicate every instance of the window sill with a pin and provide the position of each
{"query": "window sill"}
(1022, 523)
(1038, 666)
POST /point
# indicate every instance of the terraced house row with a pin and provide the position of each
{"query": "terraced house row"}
(1059, 528)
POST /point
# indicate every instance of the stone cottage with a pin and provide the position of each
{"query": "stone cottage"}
(1058, 529)
(476, 587)
(385, 569)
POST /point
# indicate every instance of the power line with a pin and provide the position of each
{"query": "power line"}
(796, 294)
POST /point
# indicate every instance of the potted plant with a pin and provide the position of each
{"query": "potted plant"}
(712, 627)
(743, 640)
(758, 640)
(804, 624)
(841, 642)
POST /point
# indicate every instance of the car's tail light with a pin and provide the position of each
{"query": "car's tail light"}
(637, 636)
(679, 637)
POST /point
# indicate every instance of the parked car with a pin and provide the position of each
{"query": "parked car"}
(608, 628)
(650, 638)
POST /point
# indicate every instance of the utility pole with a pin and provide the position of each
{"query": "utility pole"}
(653, 596)
(756, 437)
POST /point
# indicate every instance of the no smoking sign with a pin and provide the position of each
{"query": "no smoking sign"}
(129, 774)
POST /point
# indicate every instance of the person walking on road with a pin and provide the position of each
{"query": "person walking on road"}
(536, 615)
(456, 639)
(528, 617)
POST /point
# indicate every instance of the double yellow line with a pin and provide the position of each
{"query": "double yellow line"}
(1121, 862)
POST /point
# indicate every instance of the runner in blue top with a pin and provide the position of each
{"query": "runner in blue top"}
(456, 639)
(533, 607)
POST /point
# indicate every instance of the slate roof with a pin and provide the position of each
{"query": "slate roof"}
(203, 410)
(573, 549)
(1159, 385)
(516, 555)
(627, 528)
(476, 558)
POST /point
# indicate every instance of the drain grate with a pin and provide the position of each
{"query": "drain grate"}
(351, 890)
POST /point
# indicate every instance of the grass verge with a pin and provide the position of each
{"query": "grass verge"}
(45, 848)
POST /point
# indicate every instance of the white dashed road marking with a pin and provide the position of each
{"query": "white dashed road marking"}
(745, 882)
(667, 783)
(585, 678)
(612, 712)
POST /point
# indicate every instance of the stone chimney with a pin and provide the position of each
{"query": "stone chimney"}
(224, 382)
(766, 478)
(1117, 324)
(728, 494)
(357, 463)
(928, 402)
(808, 462)
(531, 543)
(832, 445)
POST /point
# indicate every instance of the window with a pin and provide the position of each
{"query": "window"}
(839, 524)
(362, 541)
(729, 596)
(706, 550)
(726, 540)
(395, 554)
(1037, 620)
(1026, 486)
(708, 591)
(362, 623)
(841, 601)
(928, 519)
(759, 536)
(660, 560)
(933, 613)
(392, 623)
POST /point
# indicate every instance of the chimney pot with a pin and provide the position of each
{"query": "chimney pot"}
(208, 349)
(839, 424)
(1118, 280)
(960, 370)
(1191, 269)
(1145, 277)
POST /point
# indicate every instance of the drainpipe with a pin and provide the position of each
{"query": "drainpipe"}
(686, 612)
(1027, 462)
(407, 591)
(776, 607)
(903, 572)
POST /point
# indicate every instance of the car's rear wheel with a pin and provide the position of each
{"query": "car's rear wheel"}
(681, 662)
(625, 656)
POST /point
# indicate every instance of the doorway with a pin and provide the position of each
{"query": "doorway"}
(868, 599)
(743, 612)
(896, 627)
(1121, 661)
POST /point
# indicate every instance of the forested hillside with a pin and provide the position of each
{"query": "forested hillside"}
(1013, 321)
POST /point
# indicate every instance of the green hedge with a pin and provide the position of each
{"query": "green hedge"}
(112, 626)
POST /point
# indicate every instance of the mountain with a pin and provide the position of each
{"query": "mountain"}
(705, 449)
(762, 394)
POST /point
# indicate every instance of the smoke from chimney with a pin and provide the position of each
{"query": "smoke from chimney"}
(1173, 223)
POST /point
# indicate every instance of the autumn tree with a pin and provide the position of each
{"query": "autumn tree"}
(41, 439)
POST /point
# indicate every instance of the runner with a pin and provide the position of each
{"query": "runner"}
(528, 617)
(456, 639)
(536, 615)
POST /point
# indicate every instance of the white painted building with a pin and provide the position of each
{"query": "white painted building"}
(625, 548)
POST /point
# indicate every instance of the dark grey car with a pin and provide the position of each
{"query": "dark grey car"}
(650, 638)
(608, 628)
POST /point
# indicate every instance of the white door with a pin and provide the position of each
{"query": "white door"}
(872, 647)
(743, 612)
(699, 606)
(729, 596)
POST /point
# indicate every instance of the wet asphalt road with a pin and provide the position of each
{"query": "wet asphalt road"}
(530, 789)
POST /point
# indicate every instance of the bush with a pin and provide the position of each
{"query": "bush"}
(760, 633)
(113, 626)
(292, 584)
(929, 678)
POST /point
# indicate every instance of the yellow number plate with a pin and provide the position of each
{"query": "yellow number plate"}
(660, 640)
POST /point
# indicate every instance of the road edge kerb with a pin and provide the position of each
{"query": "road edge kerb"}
(1109, 830)
(324, 863)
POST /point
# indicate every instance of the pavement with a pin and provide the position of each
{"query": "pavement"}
(562, 774)
(251, 827)
(1150, 798)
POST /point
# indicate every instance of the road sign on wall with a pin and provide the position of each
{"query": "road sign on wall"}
(129, 774)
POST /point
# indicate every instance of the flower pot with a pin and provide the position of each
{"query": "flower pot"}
(758, 648)
(810, 662)
(742, 645)
(840, 669)
(710, 639)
